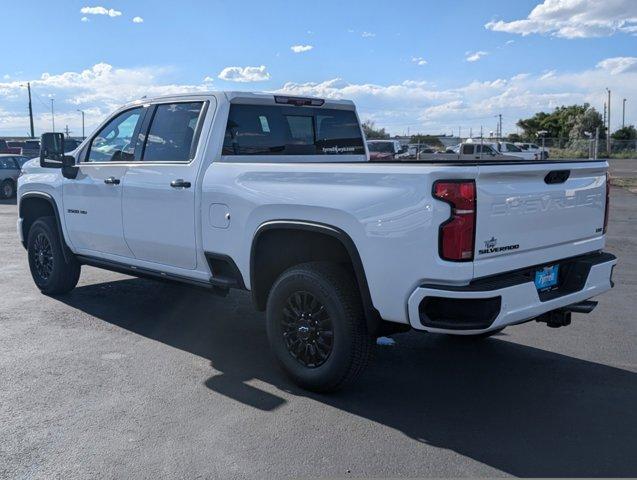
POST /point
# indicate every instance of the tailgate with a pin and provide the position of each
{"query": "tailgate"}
(532, 214)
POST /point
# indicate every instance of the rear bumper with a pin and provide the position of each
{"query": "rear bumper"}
(495, 302)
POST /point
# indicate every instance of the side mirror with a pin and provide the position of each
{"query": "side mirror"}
(51, 150)
(52, 154)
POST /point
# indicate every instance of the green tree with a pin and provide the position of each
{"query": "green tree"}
(373, 133)
(564, 122)
(625, 133)
(586, 121)
(514, 137)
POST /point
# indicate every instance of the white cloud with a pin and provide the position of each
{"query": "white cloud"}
(208, 79)
(111, 12)
(138, 20)
(84, 19)
(368, 34)
(97, 90)
(244, 74)
(420, 105)
(419, 61)
(424, 107)
(547, 75)
(475, 56)
(617, 65)
(574, 19)
(301, 48)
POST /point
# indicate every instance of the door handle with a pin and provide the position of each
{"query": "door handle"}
(111, 181)
(180, 183)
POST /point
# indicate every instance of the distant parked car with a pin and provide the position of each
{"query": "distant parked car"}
(532, 147)
(414, 150)
(6, 148)
(10, 168)
(71, 144)
(383, 150)
(31, 148)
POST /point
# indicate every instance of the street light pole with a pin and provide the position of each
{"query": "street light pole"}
(52, 115)
(82, 112)
(30, 110)
(608, 131)
(624, 113)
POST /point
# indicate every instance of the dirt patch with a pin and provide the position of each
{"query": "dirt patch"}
(629, 183)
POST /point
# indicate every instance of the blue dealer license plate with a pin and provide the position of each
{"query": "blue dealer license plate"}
(546, 278)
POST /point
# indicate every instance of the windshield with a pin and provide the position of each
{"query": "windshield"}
(512, 148)
(381, 147)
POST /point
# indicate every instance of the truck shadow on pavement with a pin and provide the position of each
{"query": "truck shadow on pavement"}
(522, 410)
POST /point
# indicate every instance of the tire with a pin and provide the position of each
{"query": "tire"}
(330, 350)
(52, 274)
(7, 189)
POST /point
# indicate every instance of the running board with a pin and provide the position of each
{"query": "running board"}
(213, 285)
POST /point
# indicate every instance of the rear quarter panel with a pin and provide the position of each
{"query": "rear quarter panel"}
(387, 210)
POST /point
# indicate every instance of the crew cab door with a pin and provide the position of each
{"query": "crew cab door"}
(159, 191)
(93, 200)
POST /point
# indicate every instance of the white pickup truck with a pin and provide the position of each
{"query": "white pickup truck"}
(276, 195)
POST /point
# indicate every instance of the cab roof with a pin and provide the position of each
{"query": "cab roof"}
(259, 98)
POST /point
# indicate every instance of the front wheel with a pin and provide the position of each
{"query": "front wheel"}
(316, 326)
(51, 272)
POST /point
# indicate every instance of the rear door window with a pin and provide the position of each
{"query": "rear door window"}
(172, 133)
(275, 130)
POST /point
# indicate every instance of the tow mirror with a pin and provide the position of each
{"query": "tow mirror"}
(51, 150)
(52, 154)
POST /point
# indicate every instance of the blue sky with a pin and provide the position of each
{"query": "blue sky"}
(406, 64)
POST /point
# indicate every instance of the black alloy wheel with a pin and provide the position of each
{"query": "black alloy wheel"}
(307, 329)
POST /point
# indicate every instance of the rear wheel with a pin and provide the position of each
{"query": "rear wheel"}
(51, 272)
(316, 326)
(7, 189)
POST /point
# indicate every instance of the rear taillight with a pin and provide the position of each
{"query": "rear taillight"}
(457, 235)
(607, 202)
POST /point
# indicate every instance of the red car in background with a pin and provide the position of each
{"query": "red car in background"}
(5, 148)
(380, 150)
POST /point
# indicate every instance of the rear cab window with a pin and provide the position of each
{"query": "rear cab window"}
(291, 130)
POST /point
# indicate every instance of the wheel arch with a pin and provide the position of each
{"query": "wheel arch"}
(34, 205)
(260, 284)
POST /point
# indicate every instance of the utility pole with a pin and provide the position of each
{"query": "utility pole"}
(500, 126)
(52, 115)
(82, 112)
(624, 113)
(30, 110)
(470, 132)
(596, 143)
(608, 131)
(67, 131)
(604, 117)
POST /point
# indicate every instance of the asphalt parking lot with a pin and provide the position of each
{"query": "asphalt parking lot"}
(132, 378)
